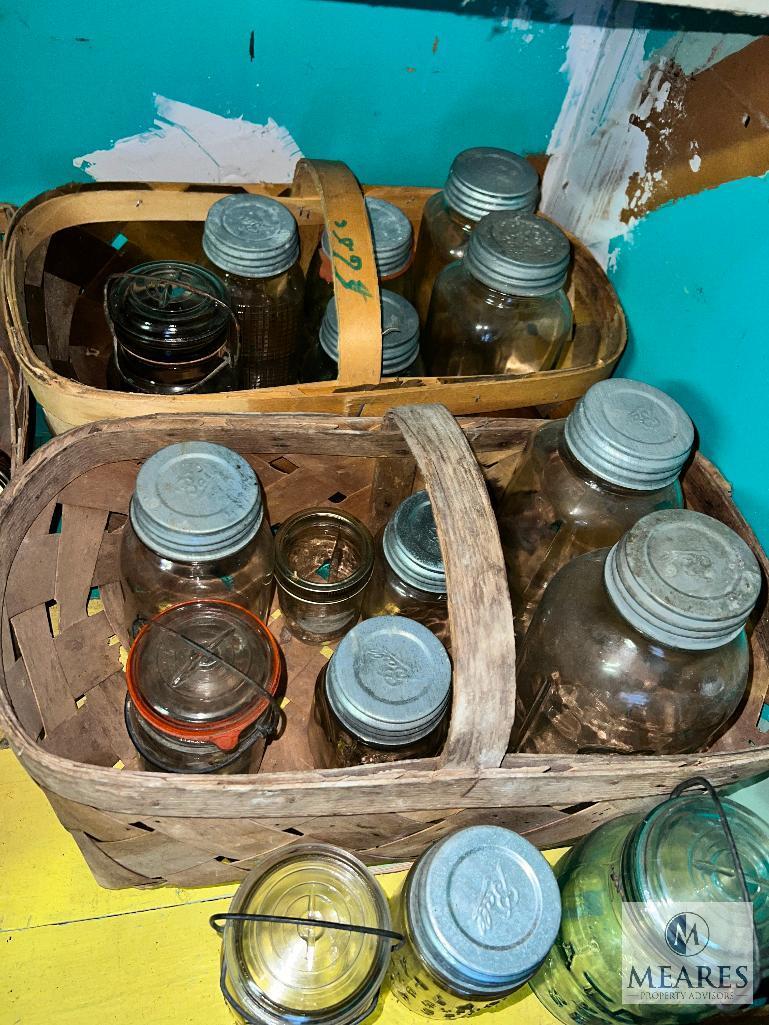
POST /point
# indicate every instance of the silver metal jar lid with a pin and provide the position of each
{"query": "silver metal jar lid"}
(391, 233)
(195, 502)
(518, 254)
(253, 236)
(483, 909)
(485, 178)
(400, 333)
(411, 547)
(683, 579)
(629, 434)
(389, 681)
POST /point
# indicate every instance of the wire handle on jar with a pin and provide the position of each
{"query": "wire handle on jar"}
(228, 360)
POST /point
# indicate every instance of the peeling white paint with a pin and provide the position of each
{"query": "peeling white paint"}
(193, 145)
(695, 161)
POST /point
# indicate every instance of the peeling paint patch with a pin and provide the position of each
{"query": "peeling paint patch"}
(191, 144)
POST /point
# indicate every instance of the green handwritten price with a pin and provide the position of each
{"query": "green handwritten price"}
(352, 260)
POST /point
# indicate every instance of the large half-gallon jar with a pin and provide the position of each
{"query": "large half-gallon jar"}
(198, 678)
(480, 180)
(400, 342)
(584, 481)
(301, 974)
(480, 910)
(172, 330)
(677, 855)
(502, 309)
(409, 578)
(393, 239)
(253, 241)
(196, 529)
(383, 697)
(640, 648)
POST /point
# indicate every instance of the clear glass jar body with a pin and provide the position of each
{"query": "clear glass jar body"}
(473, 329)
(151, 582)
(554, 509)
(443, 237)
(318, 366)
(389, 595)
(201, 376)
(333, 746)
(587, 681)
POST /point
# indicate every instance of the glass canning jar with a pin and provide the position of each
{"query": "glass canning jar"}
(480, 910)
(196, 529)
(480, 180)
(584, 481)
(409, 578)
(383, 697)
(5, 470)
(677, 853)
(400, 342)
(323, 562)
(502, 309)
(302, 974)
(171, 326)
(253, 241)
(640, 648)
(197, 676)
(393, 239)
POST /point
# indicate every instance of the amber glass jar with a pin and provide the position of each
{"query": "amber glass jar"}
(641, 648)
(400, 342)
(502, 309)
(583, 482)
(480, 910)
(253, 242)
(383, 697)
(409, 578)
(480, 180)
(196, 529)
(198, 675)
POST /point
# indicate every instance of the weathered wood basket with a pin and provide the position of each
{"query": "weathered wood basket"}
(62, 689)
(63, 245)
(14, 394)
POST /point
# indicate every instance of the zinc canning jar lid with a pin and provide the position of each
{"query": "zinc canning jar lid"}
(630, 434)
(196, 502)
(209, 690)
(684, 579)
(305, 973)
(485, 178)
(518, 254)
(391, 233)
(322, 554)
(400, 333)
(252, 236)
(411, 547)
(389, 681)
(483, 909)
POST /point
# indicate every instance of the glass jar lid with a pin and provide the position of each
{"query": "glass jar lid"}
(195, 502)
(323, 554)
(306, 973)
(198, 671)
(253, 236)
(391, 233)
(154, 310)
(389, 681)
(400, 333)
(683, 579)
(411, 546)
(485, 178)
(483, 909)
(518, 254)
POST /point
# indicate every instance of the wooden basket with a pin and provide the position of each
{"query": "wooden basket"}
(14, 394)
(61, 699)
(61, 247)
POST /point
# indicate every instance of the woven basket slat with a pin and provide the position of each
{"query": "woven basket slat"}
(81, 533)
(90, 634)
(33, 576)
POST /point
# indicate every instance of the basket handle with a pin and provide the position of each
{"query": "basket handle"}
(356, 286)
(480, 615)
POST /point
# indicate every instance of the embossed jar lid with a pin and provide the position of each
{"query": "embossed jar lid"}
(683, 579)
(518, 254)
(483, 909)
(630, 434)
(400, 333)
(389, 681)
(485, 178)
(196, 502)
(253, 236)
(391, 233)
(411, 546)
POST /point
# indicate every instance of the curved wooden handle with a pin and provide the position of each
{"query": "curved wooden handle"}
(480, 615)
(356, 286)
